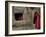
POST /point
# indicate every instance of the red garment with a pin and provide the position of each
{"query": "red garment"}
(37, 20)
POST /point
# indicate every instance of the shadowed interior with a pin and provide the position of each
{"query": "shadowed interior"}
(18, 16)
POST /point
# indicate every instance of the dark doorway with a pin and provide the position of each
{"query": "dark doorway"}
(18, 16)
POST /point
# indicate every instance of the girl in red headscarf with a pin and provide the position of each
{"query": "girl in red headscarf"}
(37, 20)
